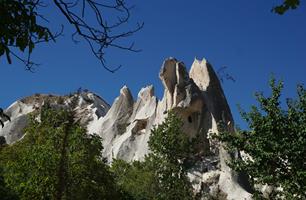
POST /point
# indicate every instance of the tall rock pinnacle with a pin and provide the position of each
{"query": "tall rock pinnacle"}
(196, 97)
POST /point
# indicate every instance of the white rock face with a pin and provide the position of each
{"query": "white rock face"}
(18, 113)
(90, 107)
(199, 100)
(125, 127)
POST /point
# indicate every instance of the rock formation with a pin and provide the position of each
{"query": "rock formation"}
(197, 98)
(90, 107)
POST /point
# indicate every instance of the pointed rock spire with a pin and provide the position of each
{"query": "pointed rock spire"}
(207, 80)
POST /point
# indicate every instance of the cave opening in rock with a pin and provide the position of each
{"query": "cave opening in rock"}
(189, 119)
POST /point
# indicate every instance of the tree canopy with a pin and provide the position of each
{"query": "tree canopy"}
(162, 175)
(57, 159)
(274, 149)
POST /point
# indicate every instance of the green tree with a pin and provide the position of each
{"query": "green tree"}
(162, 175)
(275, 145)
(170, 146)
(56, 159)
(5, 192)
(168, 141)
(136, 180)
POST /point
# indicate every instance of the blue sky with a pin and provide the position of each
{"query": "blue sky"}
(243, 35)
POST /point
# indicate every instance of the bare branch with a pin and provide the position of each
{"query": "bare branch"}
(101, 25)
(222, 74)
(101, 34)
(29, 65)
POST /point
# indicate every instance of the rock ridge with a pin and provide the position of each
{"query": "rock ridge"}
(197, 98)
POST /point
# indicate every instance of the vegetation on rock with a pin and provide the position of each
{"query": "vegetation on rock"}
(56, 159)
(274, 149)
(162, 175)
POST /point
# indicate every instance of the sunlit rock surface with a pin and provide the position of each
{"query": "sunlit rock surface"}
(197, 97)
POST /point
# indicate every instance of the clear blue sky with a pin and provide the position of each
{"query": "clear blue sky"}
(242, 35)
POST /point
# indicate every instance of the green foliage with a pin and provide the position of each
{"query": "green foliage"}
(172, 181)
(168, 141)
(162, 175)
(276, 144)
(5, 192)
(170, 146)
(136, 180)
(19, 27)
(56, 159)
(285, 6)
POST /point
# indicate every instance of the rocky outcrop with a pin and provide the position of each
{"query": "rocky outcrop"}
(206, 79)
(197, 98)
(125, 128)
(89, 107)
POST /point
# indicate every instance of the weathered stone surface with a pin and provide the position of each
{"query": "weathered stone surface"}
(206, 79)
(125, 127)
(17, 112)
(89, 107)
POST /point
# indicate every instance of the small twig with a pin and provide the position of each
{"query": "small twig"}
(99, 37)
(222, 74)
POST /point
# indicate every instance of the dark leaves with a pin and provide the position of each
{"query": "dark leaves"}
(19, 28)
(287, 5)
